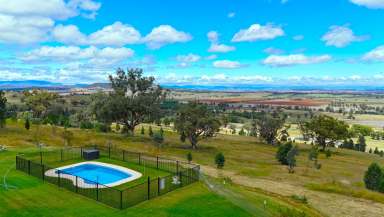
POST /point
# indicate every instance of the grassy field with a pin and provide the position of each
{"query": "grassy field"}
(250, 165)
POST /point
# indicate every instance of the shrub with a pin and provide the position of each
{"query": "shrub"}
(373, 177)
(158, 138)
(302, 199)
(328, 153)
(142, 131)
(27, 124)
(189, 157)
(219, 160)
(282, 151)
(150, 131)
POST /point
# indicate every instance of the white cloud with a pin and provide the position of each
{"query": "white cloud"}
(24, 30)
(231, 15)
(93, 55)
(30, 21)
(117, 34)
(272, 50)
(375, 55)
(373, 4)
(216, 47)
(341, 36)
(294, 59)
(220, 48)
(189, 58)
(163, 35)
(258, 32)
(69, 34)
(227, 64)
(298, 37)
(211, 57)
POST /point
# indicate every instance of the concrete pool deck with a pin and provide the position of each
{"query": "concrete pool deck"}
(81, 182)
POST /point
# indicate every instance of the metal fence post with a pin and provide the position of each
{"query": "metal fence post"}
(109, 152)
(149, 187)
(42, 171)
(177, 166)
(158, 186)
(139, 158)
(157, 162)
(77, 188)
(58, 178)
(121, 199)
(81, 152)
(97, 191)
(29, 167)
(41, 157)
(123, 155)
(61, 154)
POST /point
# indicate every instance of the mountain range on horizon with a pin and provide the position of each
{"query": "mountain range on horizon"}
(28, 84)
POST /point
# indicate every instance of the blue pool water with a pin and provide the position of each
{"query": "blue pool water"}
(92, 173)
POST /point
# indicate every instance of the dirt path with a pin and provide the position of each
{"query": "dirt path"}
(333, 205)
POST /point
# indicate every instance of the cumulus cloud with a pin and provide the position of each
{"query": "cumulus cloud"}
(227, 64)
(216, 47)
(258, 32)
(69, 34)
(272, 50)
(189, 58)
(30, 21)
(373, 4)
(294, 59)
(341, 36)
(93, 55)
(24, 30)
(231, 15)
(298, 37)
(163, 35)
(375, 55)
(117, 34)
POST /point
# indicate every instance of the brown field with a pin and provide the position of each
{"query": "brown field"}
(278, 102)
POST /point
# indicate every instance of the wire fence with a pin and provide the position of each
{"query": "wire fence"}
(181, 174)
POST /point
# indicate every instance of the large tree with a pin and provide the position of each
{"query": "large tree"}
(268, 127)
(195, 121)
(133, 99)
(39, 101)
(326, 130)
(3, 109)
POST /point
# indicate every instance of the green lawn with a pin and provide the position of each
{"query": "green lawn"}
(29, 196)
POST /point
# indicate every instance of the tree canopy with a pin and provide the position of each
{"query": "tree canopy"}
(134, 98)
(326, 130)
(3, 109)
(267, 127)
(195, 121)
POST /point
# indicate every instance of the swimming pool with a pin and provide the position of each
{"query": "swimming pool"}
(89, 173)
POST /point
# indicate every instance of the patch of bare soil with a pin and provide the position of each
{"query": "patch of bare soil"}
(333, 205)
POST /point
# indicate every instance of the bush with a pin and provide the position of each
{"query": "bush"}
(150, 131)
(328, 153)
(27, 124)
(158, 138)
(373, 177)
(142, 131)
(282, 152)
(219, 160)
(189, 157)
(302, 199)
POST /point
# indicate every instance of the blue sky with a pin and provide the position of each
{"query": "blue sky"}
(195, 42)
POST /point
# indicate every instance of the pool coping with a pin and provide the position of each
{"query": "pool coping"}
(82, 184)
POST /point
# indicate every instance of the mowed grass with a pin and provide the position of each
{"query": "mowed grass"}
(29, 196)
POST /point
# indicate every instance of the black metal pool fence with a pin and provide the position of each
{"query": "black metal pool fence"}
(181, 174)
